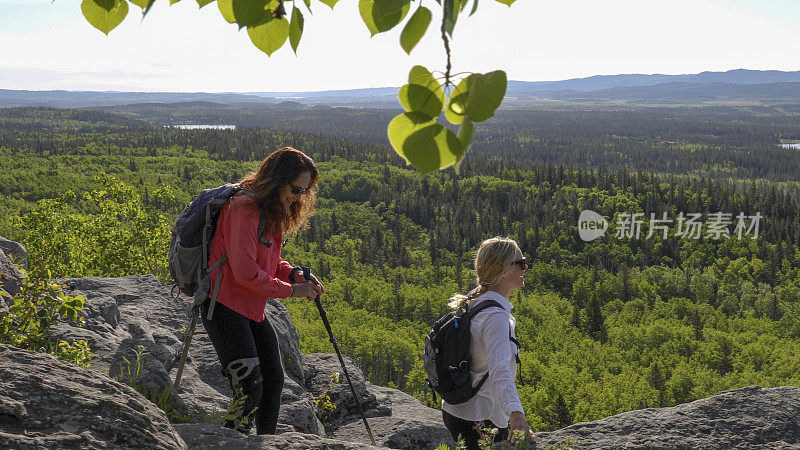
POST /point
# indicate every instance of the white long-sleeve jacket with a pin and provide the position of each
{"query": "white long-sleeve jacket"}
(492, 351)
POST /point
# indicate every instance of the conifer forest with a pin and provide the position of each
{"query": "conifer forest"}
(693, 289)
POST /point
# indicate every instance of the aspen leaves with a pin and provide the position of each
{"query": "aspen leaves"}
(416, 135)
(420, 139)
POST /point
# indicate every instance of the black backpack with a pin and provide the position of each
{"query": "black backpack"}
(447, 359)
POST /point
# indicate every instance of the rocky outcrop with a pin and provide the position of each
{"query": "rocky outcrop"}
(47, 403)
(124, 313)
(10, 276)
(751, 417)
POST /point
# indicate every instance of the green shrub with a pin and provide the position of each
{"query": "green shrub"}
(38, 306)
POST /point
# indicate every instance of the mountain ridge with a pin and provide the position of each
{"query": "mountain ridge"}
(733, 85)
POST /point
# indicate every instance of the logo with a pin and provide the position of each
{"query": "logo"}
(591, 225)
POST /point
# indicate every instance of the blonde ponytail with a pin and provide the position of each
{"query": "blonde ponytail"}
(492, 259)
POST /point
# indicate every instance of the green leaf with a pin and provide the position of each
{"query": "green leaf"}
(486, 92)
(226, 9)
(308, 4)
(330, 3)
(172, 2)
(422, 142)
(422, 93)
(415, 28)
(247, 13)
(382, 15)
(296, 28)
(104, 15)
(464, 135)
(270, 35)
(506, 2)
(474, 7)
(203, 2)
(457, 106)
(453, 8)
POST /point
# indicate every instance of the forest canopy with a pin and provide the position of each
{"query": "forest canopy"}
(606, 326)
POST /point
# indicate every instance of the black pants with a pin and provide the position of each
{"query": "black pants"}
(469, 430)
(236, 337)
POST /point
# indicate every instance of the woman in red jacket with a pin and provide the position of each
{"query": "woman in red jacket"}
(243, 337)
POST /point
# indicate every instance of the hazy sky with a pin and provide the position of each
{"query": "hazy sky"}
(46, 45)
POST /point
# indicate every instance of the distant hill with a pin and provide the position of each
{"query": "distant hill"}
(741, 85)
(690, 92)
(598, 82)
(81, 99)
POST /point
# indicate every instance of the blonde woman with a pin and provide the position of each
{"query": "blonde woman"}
(499, 268)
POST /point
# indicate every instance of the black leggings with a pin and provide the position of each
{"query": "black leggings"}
(235, 337)
(468, 430)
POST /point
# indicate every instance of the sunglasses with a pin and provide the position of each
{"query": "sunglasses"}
(298, 190)
(522, 262)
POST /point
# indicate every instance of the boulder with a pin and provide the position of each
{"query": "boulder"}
(10, 276)
(751, 417)
(289, 338)
(15, 251)
(47, 403)
(404, 422)
(397, 420)
(320, 368)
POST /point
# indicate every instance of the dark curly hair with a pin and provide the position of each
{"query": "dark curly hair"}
(276, 171)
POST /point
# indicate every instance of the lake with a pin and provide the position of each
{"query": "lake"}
(203, 127)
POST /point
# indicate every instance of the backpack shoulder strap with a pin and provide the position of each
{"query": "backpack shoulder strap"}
(481, 306)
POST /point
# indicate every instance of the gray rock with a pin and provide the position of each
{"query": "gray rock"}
(205, 436)
(290, 338)
(751, 417)
(15, 251)
(10, 276)
(397, 420)
(319, 369)
(47, 403)
(122, 314)
(402, 421)
(298, 410)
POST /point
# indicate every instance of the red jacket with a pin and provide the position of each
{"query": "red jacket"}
(253, 271)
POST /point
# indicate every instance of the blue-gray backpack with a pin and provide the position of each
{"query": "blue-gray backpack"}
(191, 242)
(189, 252)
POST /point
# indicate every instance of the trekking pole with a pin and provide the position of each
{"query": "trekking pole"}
(185, 352)
(324, 315)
